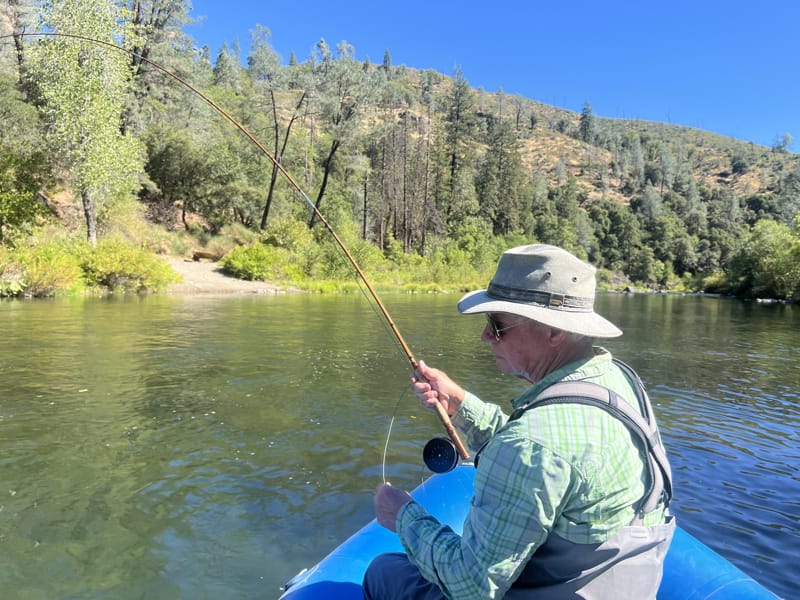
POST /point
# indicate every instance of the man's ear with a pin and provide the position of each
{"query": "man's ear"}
(556, 337)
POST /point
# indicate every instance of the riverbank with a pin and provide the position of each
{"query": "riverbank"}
(206, 277)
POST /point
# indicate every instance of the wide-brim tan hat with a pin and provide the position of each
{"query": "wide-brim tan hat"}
(547, 284)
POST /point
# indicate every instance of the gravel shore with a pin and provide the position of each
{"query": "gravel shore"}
(206, 277)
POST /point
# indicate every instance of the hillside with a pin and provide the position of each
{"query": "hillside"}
(413, 164)
(716, 161)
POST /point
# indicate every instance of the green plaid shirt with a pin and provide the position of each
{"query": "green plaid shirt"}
(570, 469)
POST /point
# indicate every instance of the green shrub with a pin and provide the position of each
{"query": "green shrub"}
(12, 276)
(45, 268)
(258, 262)
(290, 234)
(118, 266)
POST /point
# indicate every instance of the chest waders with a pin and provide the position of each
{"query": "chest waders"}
(641, 423)
(628, 565)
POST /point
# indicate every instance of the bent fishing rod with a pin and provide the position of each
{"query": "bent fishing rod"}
(440, 411)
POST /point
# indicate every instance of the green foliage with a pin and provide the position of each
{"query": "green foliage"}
(82, 87)
(120, 267)
(500, 181)
(22, 172)
(17, 209)
(40, 268)
(331, 263)
(426, 180)
(288, 233)
(12, 276)
(768, 264)
(259, 262)
(586, 127)
(48, 268)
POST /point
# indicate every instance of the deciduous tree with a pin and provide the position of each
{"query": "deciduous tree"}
(83, 87)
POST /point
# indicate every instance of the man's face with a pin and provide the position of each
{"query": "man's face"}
(521, 347)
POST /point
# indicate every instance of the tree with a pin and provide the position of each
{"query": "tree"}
(387, 63)
(618, 232)
(23, 162)
(227, 69)
(21, 16)
(185, 171)
(343, 90)
(154, 23)
(500, 183)
(788, 199)
(672, 243)
(263, 67)
(158, 35)
(83, 87)
(648, 205)
(668, 168)
(782, 143)
(725, 231)
(768, 265)
(695, 217)
(556, 216)
(587, 128)
(454, 191)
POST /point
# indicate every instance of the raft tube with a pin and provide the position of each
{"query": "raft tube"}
(692, 570)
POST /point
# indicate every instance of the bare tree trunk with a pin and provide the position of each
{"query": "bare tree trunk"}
(325, 175)
(426, 189)
(404, 162)
(279, 151)
(364, 215)
(90, 212)
(18, 31)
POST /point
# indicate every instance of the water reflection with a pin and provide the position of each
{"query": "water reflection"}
(212, 447)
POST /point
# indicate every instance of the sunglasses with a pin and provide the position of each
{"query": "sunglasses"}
(497, 328)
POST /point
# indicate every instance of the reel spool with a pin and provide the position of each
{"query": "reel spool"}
(440, 455)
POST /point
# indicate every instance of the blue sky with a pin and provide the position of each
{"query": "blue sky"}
(732, 67)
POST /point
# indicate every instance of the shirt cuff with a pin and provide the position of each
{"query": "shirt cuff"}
(408, 513)
(468, 410)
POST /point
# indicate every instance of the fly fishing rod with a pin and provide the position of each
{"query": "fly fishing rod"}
(440, 411)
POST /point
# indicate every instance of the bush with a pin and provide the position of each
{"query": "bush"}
(12, 276)
(290, 234)
(39, 270)
(768, 264)
(258, 262)
(118, 266)
(49, 267)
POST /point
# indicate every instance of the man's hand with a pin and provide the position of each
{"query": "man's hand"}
(388, 502)
(432, 385)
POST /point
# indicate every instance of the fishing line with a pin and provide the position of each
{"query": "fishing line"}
(386, 447)
(444, 418)
(388, 437)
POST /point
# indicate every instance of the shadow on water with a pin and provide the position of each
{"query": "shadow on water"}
(178, 447)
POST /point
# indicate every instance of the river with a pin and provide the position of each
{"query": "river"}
(211, 447)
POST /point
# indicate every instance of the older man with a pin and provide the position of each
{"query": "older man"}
(572, 489)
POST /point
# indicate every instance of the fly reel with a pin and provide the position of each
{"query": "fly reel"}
(440, 455)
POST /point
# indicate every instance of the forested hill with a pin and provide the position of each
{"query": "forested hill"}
(604, 157)
(416, 163)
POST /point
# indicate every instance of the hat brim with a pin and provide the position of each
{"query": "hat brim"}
(583, 323)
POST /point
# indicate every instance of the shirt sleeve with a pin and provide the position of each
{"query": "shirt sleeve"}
(519, 491)
(478, 420)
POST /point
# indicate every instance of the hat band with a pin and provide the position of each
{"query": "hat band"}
(540, 298)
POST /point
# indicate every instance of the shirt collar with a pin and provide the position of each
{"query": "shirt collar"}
(585, 368)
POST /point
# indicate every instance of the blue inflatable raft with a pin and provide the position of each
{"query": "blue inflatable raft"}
(692, 570)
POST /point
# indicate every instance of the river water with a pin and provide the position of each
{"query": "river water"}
(211, 447)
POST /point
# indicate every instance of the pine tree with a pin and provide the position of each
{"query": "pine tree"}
(586, 128)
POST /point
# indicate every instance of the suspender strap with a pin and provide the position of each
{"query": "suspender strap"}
(641, 424)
